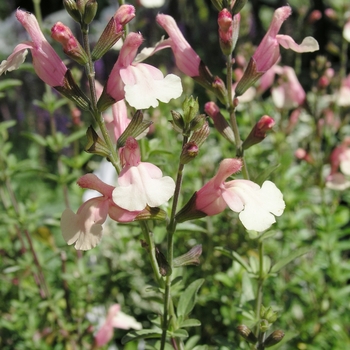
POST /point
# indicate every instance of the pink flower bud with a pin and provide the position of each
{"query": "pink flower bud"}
(228, 30)
(124, 15)
(314, 16)
(259, 131)
(71, 45)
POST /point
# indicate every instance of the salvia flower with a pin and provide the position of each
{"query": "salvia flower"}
(140, 183)
(340, 167)
(115, 319)
(186, 58)
(268, 52)
(47, 64)
(142, 85)
(257, 206)
(85, 227)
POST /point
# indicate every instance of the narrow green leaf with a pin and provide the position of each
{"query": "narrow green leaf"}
(188, 298)
(8, 83)
(7, 124)
(141, 334)
(36, 138)
(191, 342)
(75, 136)
(234, 256)
(179, 333)
(284, 261)
(191, 322)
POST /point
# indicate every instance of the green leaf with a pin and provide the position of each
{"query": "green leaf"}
(179, 333)
(36, 138)
(234, 256)
(191, 342)
(188, 298)
(142, 334)
(8, 83)
(265, 174)
(191, 322)
(284, 261)
(75, 136)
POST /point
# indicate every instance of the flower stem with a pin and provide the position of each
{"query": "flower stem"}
(168, 306)
(97, 115)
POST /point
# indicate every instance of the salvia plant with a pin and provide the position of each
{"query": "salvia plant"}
(152, 200)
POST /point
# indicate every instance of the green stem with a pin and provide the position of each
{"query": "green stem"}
(97, 115)
(233, 119)
(168, 307)
(152, 249)
(259, 296)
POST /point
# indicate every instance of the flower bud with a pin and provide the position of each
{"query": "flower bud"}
(113, 31)
(220, 122)
(225, 31)
(164, 267)
(247, 334)
(71, 46)
(90, 11)
(190, 107)
(72, 9)
(189, 258)
(200, 135)
(274, 338)
(264, 326)
(228, 31)
(214, 84)
(177, 122)
(189, 151)
(268, 314)
(258, 132)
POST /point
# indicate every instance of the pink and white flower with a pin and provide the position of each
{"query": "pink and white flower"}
(47, 64)
(257, 206)
(142, 85)
(268, 53)
(338, 179)
(115, 319)
(85, 227)
(288, 92)
(140, 183)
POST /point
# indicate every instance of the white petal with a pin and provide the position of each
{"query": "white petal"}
(147, 86)
(14, 62)
(142, 189)
(81, 230)
(152, 3)
(260, 204)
